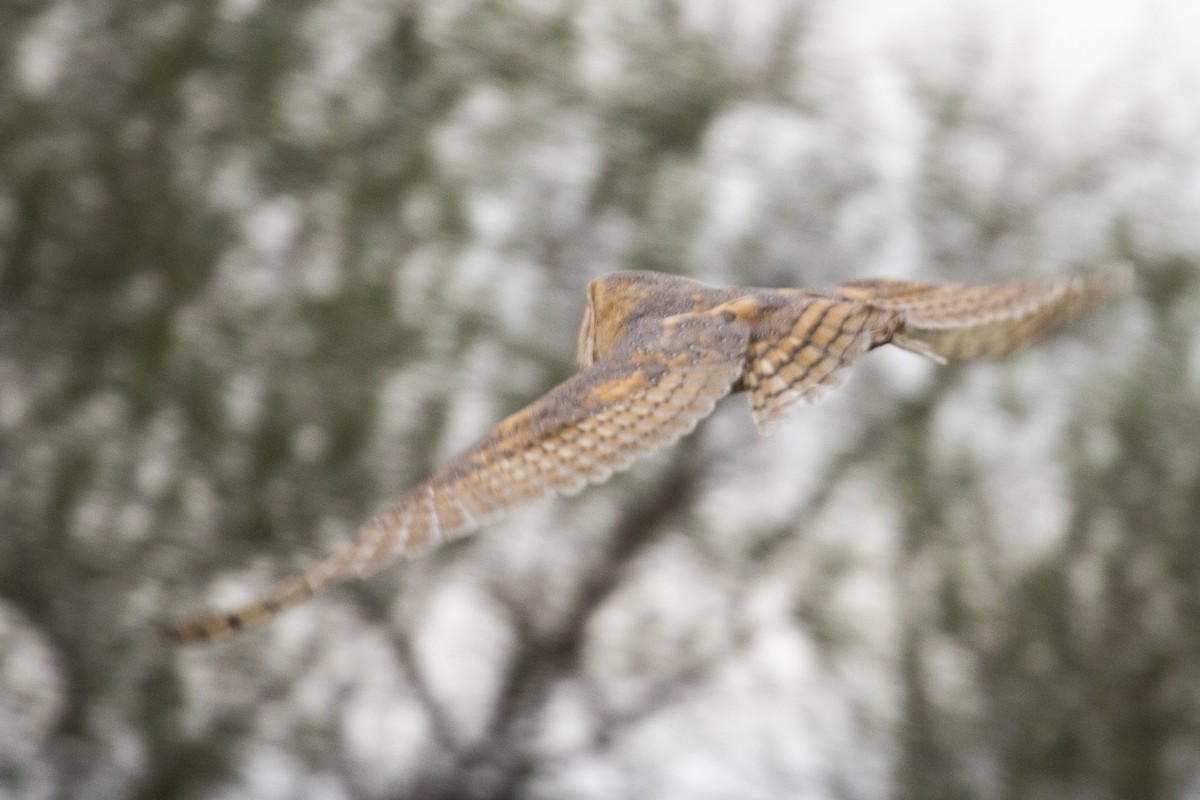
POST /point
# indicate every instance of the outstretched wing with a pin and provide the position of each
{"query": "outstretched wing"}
(638, 399)
(973, 322)
(801, 342)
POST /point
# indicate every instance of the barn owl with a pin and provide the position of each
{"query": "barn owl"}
(656, 352)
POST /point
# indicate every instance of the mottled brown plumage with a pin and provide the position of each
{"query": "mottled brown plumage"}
(656, 353)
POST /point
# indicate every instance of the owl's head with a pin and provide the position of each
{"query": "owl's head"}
(617, 302)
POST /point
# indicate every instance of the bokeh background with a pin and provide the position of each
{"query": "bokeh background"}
(263, 264)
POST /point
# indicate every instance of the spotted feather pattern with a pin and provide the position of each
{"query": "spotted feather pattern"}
(806, 349)
(635, 401)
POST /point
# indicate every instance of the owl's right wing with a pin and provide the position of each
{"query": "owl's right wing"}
(973, 322)
(634, 401)
(807, 344)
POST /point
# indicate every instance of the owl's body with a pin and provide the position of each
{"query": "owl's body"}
(656, 353)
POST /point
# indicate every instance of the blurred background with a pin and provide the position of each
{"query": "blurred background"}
(263, 264)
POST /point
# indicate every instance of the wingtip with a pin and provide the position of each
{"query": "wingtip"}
(1115, 279)
(197, 631)
(213, 626)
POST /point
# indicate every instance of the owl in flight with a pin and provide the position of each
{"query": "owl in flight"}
(656, 352)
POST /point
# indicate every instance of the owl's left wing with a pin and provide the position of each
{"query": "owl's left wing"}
(804, 347)
(952, 321)
(636, 400)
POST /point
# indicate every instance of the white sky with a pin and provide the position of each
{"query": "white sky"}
(1068, 43)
